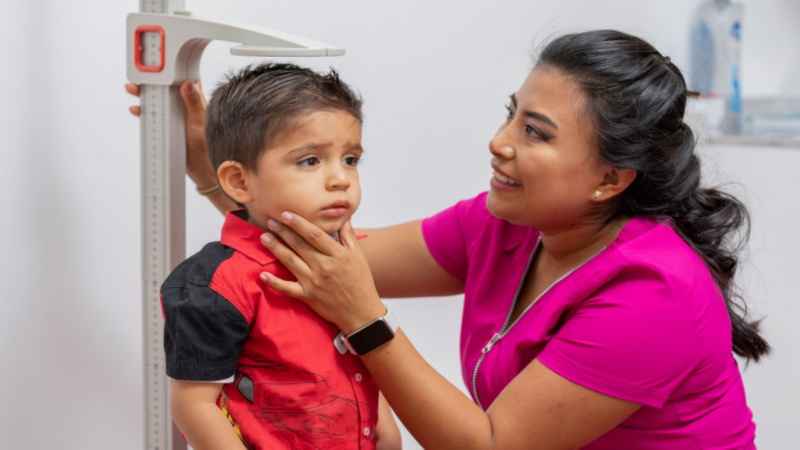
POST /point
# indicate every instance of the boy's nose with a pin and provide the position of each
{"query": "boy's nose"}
(338, 180)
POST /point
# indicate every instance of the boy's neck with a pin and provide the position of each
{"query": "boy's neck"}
(263, 226)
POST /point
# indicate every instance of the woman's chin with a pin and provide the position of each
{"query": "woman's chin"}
(497, 206)
(505, 209)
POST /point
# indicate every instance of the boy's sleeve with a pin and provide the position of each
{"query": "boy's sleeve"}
(203, 331)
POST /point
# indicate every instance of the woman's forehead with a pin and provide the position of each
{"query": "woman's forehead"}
(549, 91)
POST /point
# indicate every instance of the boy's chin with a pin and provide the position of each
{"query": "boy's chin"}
(330, 226)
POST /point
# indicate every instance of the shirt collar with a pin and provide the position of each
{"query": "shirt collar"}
(245, 238)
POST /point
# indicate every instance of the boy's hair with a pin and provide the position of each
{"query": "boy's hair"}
(253, 106)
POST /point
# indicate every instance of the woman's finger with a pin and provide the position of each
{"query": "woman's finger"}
(295, 242)
(348, 236)
(132, 89)
(287, 256)
(310, 233)
(290, 288)
(136, 110)
(193, 98)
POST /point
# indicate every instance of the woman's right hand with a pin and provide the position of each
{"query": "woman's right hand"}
(198, 164)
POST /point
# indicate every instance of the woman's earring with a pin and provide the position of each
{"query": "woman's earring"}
(596, 195)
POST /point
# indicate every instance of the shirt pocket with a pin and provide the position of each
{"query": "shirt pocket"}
(302, 405)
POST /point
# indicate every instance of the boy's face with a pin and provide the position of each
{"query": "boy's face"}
(310, 169)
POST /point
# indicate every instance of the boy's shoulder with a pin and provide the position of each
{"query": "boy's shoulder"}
(222, 269)
(200, 268)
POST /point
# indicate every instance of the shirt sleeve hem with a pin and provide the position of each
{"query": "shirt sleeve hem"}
(194, 373)
(572, 373)
(436, 254)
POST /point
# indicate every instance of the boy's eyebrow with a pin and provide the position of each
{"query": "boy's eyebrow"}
(533, 114)
(322, 145)
(356, 147)
(310, 146)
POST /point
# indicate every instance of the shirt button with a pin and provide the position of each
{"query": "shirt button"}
(366, 431)
(359, 377)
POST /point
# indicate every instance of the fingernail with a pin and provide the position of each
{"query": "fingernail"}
(266, 238)
(272, 225)
(264, 276)
(287, 216)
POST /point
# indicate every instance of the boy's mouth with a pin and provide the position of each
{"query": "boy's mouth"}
(336, 210)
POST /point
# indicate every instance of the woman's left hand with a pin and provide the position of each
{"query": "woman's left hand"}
(332, 278)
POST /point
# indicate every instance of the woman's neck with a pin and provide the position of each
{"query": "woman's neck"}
(578, 243)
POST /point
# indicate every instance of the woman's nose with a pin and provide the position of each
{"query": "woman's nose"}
(501, 151)
(499, 145)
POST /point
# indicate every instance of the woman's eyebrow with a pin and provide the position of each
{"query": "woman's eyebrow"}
(533, 114)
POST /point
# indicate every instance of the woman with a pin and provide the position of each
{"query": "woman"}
(599, 306)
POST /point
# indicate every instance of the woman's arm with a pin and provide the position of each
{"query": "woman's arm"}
(402, 265)
(196, 413)
(538, 409)
(198, 164)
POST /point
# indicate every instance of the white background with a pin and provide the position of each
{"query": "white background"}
(434, 76)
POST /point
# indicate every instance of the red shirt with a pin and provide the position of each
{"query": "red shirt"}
(291, 388)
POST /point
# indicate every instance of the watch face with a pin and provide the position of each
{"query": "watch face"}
(371, 337)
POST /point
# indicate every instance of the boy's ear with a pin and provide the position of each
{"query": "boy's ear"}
(233, 181)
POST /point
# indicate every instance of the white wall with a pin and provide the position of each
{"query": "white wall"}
(764, 178)
(434, 76)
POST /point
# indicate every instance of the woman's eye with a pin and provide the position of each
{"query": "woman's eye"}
(351, 160)
(535, 133)
(509, 112)
(310, 161)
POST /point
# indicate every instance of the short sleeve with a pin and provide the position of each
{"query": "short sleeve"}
(633, 340)
(448, 233)
(203, 331)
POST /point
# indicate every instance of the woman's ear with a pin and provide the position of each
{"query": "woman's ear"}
(615, 181)
(233, 180)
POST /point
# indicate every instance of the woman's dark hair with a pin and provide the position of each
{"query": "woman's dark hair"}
(637, 98)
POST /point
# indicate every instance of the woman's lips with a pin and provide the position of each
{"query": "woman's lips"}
(502, 182)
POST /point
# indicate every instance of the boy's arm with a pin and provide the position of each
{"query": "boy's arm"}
(387, 433)
(195, 411)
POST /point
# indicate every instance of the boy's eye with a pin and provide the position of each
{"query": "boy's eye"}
(351, 160)
(310, 161)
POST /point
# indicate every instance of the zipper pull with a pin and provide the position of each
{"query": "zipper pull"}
(496, 337)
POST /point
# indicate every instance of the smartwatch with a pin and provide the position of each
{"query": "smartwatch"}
(367, 338)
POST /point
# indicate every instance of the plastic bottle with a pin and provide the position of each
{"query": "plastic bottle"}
(716, 39)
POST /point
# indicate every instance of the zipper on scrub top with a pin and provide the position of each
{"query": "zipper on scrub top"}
(499, 335)
(508, 326)
(486, 348)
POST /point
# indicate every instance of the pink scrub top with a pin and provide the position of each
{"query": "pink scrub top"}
(643, 321)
